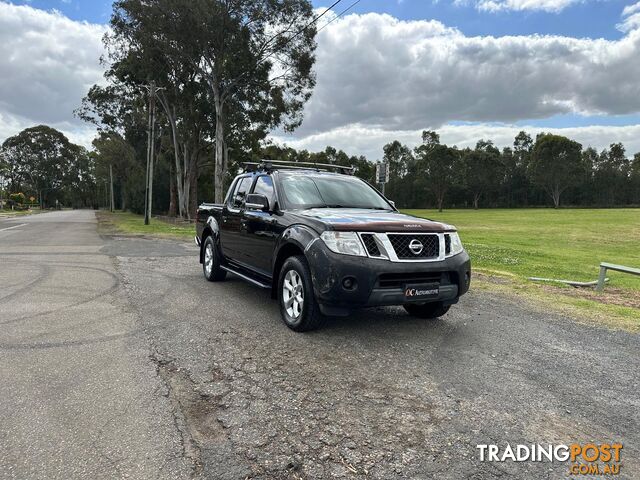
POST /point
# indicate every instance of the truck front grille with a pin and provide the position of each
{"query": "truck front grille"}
(424, 246)
(407, 247)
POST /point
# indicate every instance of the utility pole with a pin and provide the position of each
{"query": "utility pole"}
(111, 179)
(151, 137)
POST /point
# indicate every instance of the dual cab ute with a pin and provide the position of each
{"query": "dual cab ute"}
(326, 243)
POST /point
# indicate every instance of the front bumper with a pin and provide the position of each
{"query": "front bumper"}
(329, 271)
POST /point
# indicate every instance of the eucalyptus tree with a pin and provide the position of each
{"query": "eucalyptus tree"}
(556, 164)
(255, 58)
(481, 170)
(44, 159)
(437, 165)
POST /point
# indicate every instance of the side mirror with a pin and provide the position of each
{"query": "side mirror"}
(393, 204)
(257, 201)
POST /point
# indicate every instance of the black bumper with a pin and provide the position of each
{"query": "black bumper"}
(381, 282)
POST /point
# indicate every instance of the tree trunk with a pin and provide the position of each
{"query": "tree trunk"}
(186, 189)
(193, 200)
(555, 192)
(440, 201)
(476, 200)
(111, 204)
(171, 116)
(172, 192)
(218, 182)
(123, 199)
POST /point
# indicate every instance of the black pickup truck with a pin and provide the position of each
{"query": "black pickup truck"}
(326, 243)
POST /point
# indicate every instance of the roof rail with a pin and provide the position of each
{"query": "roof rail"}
(270, 165)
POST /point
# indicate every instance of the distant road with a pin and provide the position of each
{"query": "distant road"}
(118, 360)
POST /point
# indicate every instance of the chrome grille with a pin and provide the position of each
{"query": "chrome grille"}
(370, 244)
(402, 246)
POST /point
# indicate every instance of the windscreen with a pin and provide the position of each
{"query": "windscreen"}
(330, 192)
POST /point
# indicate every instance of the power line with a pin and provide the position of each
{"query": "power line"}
(318, 17)
(324, 26)
(339, 15)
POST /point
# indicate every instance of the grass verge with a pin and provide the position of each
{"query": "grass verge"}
(507, 246)
(18, 213)
(127, 223)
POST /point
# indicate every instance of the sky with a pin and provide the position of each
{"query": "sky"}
(386, 70)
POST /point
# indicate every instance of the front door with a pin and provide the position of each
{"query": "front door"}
(259, 229)
(231, 228)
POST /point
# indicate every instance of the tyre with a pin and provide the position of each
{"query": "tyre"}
(211, 261)
(426, 310)
(298, 306)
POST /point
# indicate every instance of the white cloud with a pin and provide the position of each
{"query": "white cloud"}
(379, 79)
(47, 64)
(378, 71)
(368, 141)
(519, 5)
(630, 18)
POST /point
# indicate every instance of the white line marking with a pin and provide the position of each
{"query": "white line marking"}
(11, 228)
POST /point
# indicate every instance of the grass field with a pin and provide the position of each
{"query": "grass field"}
(564, 244)
(133, 224)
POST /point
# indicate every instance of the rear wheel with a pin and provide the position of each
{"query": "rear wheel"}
(211, 262)
(298, 306)
(426, 310)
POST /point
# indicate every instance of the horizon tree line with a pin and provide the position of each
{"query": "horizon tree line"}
(551, 171)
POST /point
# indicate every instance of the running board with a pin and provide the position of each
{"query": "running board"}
(245, 277)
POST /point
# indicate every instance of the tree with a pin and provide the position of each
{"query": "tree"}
(400, 159)
(45, 160)
(611, 175)
(254, 57)
(113, 152)
(556, 164)
(437, 166)
(481, 170)
(634, 178)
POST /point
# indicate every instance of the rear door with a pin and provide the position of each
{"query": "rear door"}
(231, 227)
(260, 229)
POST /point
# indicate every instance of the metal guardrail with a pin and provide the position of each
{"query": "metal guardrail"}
(612, 266)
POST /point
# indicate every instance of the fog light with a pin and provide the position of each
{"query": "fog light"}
(349, 283)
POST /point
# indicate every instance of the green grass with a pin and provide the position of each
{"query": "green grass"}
(128, 223)
(18, 213)
(566, 244)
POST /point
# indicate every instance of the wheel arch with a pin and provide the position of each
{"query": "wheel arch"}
(293, 241)
(210, 230)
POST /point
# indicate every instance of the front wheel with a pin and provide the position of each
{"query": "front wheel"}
(211, 262)
(426, 310)
(298, 306)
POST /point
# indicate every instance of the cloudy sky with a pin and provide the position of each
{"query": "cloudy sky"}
(387, 69)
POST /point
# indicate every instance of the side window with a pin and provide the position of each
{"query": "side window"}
(237, 199)
(264, 186)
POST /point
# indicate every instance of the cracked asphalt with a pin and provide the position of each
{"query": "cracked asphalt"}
(118, 360)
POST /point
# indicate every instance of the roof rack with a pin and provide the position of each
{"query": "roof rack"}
(271, 165)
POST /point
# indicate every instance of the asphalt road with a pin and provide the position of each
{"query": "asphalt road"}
(118, 360)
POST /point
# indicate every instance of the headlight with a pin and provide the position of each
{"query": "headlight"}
(347, 243)
(456, 244)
